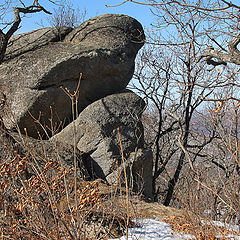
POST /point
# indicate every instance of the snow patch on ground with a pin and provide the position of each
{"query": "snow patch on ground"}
(227, 226)
(153, 229)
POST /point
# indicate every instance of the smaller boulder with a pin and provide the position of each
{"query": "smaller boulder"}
(139, 167)
(97, 132)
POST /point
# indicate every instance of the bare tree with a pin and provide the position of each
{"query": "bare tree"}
(172, 79)
(67, 16)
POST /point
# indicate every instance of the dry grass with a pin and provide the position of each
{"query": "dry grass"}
(39, 203)
(43, 198)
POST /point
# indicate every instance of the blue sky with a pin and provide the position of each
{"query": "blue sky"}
(94, 8)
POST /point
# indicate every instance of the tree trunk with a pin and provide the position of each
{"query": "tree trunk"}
(172, 183)
(3, 45)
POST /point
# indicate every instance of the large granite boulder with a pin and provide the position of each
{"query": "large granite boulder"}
(96, 135)
(117, 32)
(103, 49)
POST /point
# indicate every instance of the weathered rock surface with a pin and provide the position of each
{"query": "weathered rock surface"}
(139, 167)
(38, 75)
(30, 41)
(116, 32)
(96, 129)
(96, 135)
(103, 49)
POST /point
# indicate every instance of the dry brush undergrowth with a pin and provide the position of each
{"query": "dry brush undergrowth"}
(43, 197)
(38, 200)
(188, 223)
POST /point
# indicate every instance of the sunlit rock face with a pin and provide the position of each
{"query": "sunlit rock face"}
(39, 65)
(97, 132)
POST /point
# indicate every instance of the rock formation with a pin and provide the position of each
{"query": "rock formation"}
(96, 129)
(103, 49)
(40, 71)
(97, 136)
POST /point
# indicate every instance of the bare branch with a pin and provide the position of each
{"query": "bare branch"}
(229, 5)
(4, 38)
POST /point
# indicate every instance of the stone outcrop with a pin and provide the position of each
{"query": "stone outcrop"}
(96, 134)
(139, 165)
(103, 49)
(39, 75)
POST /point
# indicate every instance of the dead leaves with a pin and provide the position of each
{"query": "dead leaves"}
(200, 230)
